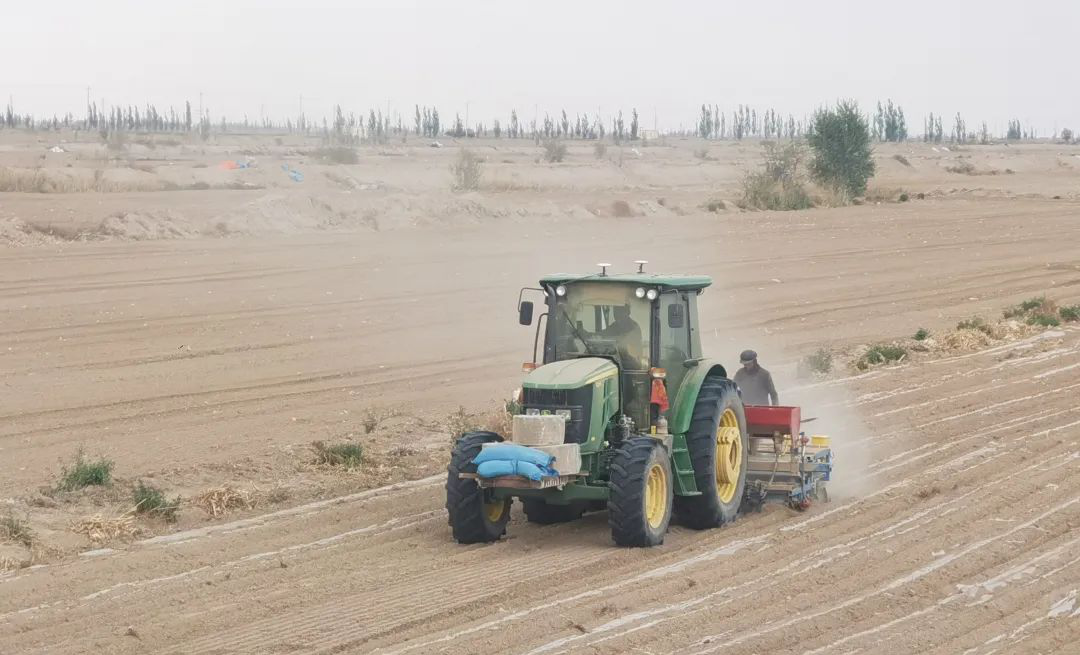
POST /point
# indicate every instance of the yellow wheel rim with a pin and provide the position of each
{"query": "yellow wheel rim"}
(494, 510)
(656, 496)
(728, 456)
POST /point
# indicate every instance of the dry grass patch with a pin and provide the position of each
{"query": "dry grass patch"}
(101, 529)
(219, 501)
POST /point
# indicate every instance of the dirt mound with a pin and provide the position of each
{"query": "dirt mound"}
(291, 214)
(144, 226)
(15, 232)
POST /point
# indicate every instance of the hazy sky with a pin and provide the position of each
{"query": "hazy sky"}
(989, 60)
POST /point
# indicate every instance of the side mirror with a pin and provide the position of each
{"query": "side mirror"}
(676, 316)
(525, 312)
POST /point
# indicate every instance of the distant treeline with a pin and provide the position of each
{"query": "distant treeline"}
(887, 123)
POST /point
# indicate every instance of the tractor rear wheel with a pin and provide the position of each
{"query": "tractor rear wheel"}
(475, 515)
(539, 512)
(640, 503)
(718, 445)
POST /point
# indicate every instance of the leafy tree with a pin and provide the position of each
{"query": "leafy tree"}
(840, 141)
(634, 125)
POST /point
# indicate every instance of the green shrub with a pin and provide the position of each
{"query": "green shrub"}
(880, 354)
(85, 473)
(840, 141)
(1070, 313)
(151, 500)
(347, 455)
(1043, 320)
(1026, 307)
(922, 334)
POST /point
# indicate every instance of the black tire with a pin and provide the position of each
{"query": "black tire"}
(709, 510)
(541, 513)
(467, 504)
(639, 462)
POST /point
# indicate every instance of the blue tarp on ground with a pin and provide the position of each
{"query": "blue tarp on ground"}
(511, 459)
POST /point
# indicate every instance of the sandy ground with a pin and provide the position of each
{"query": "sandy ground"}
(204, 337)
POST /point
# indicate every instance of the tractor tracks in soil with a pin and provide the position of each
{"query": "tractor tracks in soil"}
(970, 537)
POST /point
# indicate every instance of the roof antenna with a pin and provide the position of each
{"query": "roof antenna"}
(641, 264)
(603, 269)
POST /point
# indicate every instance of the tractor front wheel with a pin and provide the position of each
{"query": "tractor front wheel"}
(475, 515)
(639, 505)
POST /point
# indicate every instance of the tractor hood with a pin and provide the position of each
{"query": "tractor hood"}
(571, 373)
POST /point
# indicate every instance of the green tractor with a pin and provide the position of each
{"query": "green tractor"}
(645, 425)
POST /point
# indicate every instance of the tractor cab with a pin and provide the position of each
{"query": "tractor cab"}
(644, 324)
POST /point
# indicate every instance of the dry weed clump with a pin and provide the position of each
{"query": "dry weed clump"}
(100, 529)
(458, 423)
(218, 501)
(554, 151)
(885, 194)
(819, 362)
(16, 531)
(964, 340)
(501, 419)
(962, 167)
(466, 171)
(374, 417)
(927, 492)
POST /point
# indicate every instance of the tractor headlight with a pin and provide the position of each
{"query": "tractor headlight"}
(639, 292)
(532, 411)
(652, 294)
(560, 290)
(564, 413)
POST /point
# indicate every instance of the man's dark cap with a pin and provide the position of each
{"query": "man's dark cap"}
(748, 356)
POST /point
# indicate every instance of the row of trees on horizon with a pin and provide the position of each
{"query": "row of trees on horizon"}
(887, 123)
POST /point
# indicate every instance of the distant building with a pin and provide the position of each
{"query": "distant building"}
(649, 135)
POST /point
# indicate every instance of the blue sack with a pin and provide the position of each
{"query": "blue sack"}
(499, 468)
(510, 459)
(514, 453)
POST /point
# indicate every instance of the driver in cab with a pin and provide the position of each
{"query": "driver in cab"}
(627, 335)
